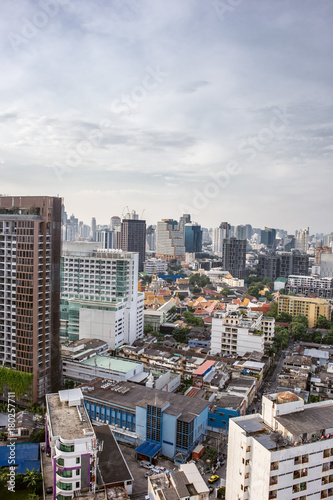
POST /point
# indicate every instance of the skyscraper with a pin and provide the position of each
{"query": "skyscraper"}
(99, 294)
(93, 229)
(30, 230)
(302, 240)
(133, 237)
(193, 238)
(170, 242)
(234, 257)
(219, 234)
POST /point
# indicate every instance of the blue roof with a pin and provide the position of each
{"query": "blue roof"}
(24, 452)
(148, 449)
(30, 465)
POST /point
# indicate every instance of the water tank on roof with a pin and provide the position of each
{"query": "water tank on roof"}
(286, 397)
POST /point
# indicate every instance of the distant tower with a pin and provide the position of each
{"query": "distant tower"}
(93, 229)
(133, 236)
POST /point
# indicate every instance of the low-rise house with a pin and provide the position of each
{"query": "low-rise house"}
(184, 484)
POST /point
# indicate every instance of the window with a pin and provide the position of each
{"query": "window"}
(77, 472)
(77, 484)
(77, 460)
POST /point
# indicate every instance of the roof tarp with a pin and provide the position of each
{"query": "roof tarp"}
(23, 452)
(148, 449)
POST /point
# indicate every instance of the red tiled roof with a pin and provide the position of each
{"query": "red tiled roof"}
(204, 367)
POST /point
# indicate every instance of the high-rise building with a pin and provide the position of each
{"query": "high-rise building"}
(283, 264)
(219, 234)
(289, 242)
(99, 294)
(269, 266)
(234, 257)
(248, 231)
(240, 232)
(319, 251)
(133, 236)
(193, 238)
(30, 242)
(114, 222)
(284, 453)
(326, 265)
(268, 236)
(170, 241)
(106, 237)
(151, 238)
(93, 229)
(302, 240)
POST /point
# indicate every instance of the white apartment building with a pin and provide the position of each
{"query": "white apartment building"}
(99, 295)
(237, 331)
(310, 285)
(71, 441)
(158, 266)
(285, 454)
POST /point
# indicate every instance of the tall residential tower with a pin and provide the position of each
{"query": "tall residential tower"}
(30, 229)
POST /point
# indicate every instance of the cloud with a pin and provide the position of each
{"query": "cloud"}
(223, 82)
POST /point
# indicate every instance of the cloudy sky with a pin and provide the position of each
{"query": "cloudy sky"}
(218, 108)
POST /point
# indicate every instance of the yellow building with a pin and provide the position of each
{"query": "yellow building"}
(311, 308)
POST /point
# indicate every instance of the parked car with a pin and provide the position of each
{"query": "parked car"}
(213, 478)
(146, 464)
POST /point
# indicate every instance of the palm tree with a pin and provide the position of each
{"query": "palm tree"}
(32, 478)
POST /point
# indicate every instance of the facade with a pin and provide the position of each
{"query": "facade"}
(170, 240)
(193, 238)
(30, 240)
(310, 286)
(151, 238)
(71, 441)
(168, 423)
(133, 238)
(326, 265)
(155, 266)
(237, 333)
(268, 236)
(241, 232)
(311, 308)
(285, 453)
(234, 256)
(283, 264)
(220, 233)
(302, 240)
(99, 295)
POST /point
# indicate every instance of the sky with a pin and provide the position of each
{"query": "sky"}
(218, 108)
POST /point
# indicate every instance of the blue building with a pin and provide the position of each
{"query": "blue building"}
(155, 421)
(193, 238)
(227, 407)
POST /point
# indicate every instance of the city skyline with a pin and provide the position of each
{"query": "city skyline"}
(221, 109)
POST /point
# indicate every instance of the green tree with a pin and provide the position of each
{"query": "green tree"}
(273, 309)
(298, 330)
(38, 436)
(323, 322)
(300, 319)
(32, 479)
(268, 295)
(254, 291)
(285, 317)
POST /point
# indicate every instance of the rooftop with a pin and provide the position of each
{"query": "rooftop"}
(112, 467)
(114, 364)
(132, 395)
(312, 420)
(69, 422)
